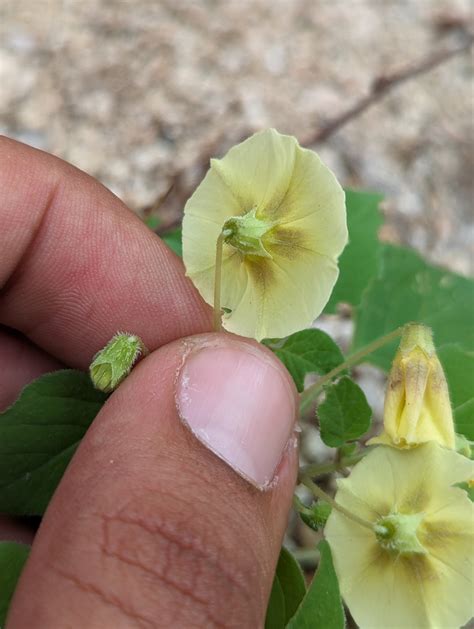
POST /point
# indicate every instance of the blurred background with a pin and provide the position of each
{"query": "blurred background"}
(140, 93)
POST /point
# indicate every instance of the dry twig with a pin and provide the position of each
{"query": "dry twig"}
(182, 184)
(384, 84)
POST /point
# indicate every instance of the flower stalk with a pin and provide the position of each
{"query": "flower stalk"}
(313, 470)
(217, 319)
(322, 495)
(311, 393)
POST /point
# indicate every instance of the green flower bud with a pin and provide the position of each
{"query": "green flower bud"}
(113, 363)
(316, 516)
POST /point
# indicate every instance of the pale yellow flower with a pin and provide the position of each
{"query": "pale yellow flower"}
(414, 569)
(417, 407)
(284, 217)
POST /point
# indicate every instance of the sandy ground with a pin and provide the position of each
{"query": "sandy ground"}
(134, 91)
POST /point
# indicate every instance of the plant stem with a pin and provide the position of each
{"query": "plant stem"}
(315, 470)
(217, 284)
(322, 495)
(312, 392)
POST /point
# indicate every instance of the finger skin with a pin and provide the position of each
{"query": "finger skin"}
(149, 528)
(22, 362)
(77, 266)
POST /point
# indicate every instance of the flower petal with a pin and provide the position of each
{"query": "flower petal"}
(258, 171)
(204, 215)
(380, 597)
(282, 296)
(453, 585)
(234, 281)
(381, 588)
(315, 204)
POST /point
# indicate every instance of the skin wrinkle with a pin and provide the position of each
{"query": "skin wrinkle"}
(109, 600)
(25, 255)
(201, 545)
(29, 245)
(161, 575)
(209, 561)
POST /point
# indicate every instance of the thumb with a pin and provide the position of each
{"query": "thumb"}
(174, 507)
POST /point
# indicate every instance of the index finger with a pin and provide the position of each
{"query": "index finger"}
(76, 265)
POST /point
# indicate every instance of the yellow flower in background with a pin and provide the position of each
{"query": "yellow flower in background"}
(282, 215)
(414, 569)
(417, 407)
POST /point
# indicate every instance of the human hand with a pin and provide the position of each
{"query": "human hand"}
(148, 528)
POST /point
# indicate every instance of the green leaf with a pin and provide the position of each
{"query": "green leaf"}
(321, 608)
(173, 240)
(458, 365)
(292, 582)
(38, 436)
(345, 414)
(275, 618)
(309, 351)
(469, 489)
(409, 289)
(152, 222)
(12, 559)
(288, 590)
(359, 260)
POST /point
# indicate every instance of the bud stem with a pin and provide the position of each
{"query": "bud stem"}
(312, 392)
(320, 493)
(321, 469)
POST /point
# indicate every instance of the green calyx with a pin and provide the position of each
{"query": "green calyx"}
(113, 363)
(397, 533)
(417, 335)
(246, 233)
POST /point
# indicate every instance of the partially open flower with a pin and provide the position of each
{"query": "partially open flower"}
(282, 217)
(417, 406)
(413, 567)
